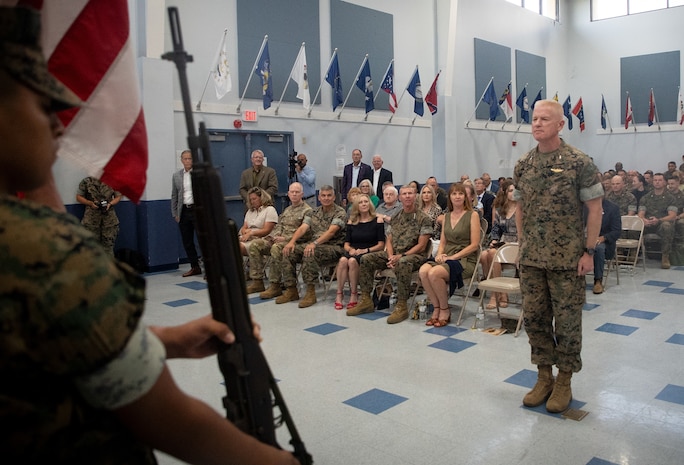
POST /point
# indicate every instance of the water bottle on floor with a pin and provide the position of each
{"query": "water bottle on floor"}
(392, 301)
(422, 308)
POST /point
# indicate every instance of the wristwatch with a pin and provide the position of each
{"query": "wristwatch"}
(590, 251)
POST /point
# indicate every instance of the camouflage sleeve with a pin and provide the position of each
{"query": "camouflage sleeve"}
(83, 188)
(590, 186)
(340, 218)
(308, 217)
(426, 225)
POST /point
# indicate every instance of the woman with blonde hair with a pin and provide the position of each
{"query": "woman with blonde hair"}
(260, 219)
(456, 257)
(427, 202)
(364, 234)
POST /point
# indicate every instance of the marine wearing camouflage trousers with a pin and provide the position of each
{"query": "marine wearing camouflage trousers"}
(378, 261)
(323, 254)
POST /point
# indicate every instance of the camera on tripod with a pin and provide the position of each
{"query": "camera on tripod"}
(292, 163)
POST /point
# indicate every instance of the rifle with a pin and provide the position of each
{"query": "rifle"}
(251, 391)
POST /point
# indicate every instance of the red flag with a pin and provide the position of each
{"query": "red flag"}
(629, 114)
(431, 97)
(88, 47)
(651, 109)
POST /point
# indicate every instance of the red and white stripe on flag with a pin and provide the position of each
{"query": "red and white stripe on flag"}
(89, 49)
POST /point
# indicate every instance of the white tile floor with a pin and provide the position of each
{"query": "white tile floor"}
(364, 392)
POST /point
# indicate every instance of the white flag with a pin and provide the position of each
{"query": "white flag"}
(300, 75)
(680, 108)
(222, 74)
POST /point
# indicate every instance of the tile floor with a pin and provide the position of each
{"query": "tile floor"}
(364, 392)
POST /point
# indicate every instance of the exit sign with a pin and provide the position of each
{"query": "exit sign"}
(249, 116)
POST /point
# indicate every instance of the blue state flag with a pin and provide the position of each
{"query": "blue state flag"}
(604, 112)
(332, 77)
(537, 98)
(365, 83)
(263, 71)
(492, 100)
(566, 112)
(524, 106)
(417, 93)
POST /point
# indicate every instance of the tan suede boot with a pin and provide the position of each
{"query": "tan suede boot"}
(309, 298)
(289, 295)
(274, 290)
(561, 395)
(399, 314)
(365, 305)
(665, 262)
(256, 285)
(542, 390)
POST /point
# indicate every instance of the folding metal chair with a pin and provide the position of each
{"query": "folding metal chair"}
(626, 246)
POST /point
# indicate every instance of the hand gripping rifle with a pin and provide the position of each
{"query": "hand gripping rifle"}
(251, 391)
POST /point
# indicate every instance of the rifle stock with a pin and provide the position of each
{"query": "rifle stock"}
(251, 391)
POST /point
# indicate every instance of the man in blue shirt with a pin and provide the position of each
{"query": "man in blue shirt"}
(306, 176)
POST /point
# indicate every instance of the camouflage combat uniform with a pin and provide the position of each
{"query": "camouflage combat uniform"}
(659, 206)
(288, 222)
(103, 223)
(551, 188)
(319, 222)
(625, 201)
(67, 309)
(679, 223)
(404, 232)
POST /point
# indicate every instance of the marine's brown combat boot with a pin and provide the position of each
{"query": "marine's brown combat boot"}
(365, 305)
(289, 295)
(274, 290)
(309, 298)
(561, 395)
(399, 314)
(665, 262)
(256, 285)
(542, 390)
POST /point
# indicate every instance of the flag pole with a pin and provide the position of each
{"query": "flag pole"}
(288, 78)
(478, 102)
(351, 88)
(384, 76)
(263, 44)
(402, 94)
(332, 57)
(212, 69)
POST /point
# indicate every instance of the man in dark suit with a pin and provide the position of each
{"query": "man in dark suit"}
(485, 202)
(354, 173)
(611, 228)
(380, 175)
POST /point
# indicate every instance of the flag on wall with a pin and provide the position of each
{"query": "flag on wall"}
(566, 111)
(431, 97)
(388, 86)
(537, 98)
(506, 103)
(680, 108)
(651, 109)
(263, 71)
(604, 112)
(490, 99)
(299, 74)
(365, 83)
(522, 103)
(222, 80)
(89, 49)
(332, 77)
(417, 93)
(555, 97)
(579, 112)
(629, 114)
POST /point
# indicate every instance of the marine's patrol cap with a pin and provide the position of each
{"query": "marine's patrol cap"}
(21, 56)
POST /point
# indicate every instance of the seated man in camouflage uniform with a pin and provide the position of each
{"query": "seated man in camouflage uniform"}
(273, 244)
(407, 241)
(621, 197)
(325, 225)
(673, 186)
(658, 211)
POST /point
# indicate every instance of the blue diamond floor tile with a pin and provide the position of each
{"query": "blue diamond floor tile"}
(180, 303)
(194, 285)
(676, 339)
(325, 329)
(658, 283)
(452, 345)
(446, 331)
(673, 290)
(524, 378)
(373, 316)
(622, 330)
(375, 401)
(598, 461)
(672, 393)
(642, 314)
(574, 404)
(588, 306)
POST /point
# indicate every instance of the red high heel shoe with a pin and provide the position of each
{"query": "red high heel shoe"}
(355, 296)
(339, 305)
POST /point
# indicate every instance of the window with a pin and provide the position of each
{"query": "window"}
(548, 8)
(604, 9)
